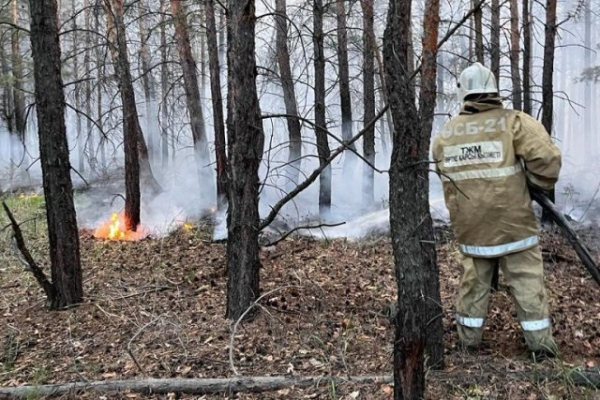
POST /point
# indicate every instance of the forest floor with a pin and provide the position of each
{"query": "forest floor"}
(155, 308)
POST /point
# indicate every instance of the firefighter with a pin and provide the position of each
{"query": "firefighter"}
(486, 157)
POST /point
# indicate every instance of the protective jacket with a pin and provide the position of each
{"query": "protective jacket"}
(483, 156)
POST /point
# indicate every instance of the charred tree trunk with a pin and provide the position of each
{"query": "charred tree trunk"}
(289, 95)
(245, 143)
(477, 17)
(164, 85)
(526, 58)
(217, 103)
(410, 220)
(515, 49)
(54, 155)
(344, 77)
(495, 40)
(131, 124)
(192, 93)
(547, 81)
(320, 120)
(369, 102)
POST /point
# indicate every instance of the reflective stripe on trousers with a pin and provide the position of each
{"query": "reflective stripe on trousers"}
(494, 251)
(537, 325)
(470, 322)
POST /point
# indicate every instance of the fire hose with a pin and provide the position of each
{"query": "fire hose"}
(568, 232)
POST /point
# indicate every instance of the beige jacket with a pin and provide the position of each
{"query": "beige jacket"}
(480, 156)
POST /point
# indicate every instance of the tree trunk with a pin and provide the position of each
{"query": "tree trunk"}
(222, 43)
(547, 80)
(320, 120)
(289, 96)
(118, 49)
(148, 84)
(87, 89)
(515, 49)
(495, 40)
(410, 220)
(245, 143)
(427, 101)
(383, 100)
(81, 137)
(54, 155)
(164, 85)
(131, 124)
(587, 88)
(369, 102)
(7, 96)
(344, 77)
(99, 79)
(217, 103)
(526, 58)
(477, 17)
(192, 94)
(18, 94)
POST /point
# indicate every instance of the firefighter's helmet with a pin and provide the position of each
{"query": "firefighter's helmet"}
(476, 79)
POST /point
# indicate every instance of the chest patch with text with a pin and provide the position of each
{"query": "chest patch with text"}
(473, 153)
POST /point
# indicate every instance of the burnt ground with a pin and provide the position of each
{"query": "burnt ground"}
(155, 308)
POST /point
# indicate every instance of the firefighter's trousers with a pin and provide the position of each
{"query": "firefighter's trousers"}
(525, 275)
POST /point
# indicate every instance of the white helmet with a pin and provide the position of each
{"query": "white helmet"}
(476, 79)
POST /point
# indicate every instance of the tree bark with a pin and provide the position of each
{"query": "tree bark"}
(344, 78)
(245, 144)
(587, 88)
(99, 78)
(18, 95)
(495, 40)
(132, 132)
(7, 96)
(192, 93)
(410, 220)
(526, 58)
(81, 136)
(17, 69)
(477, 17)
(427, 102)
(547, 81)
(164, 85)
(515, 49)
(289, 95)
(148, 84)
(87, 90)
(369, 102)
(217, 103)
(320, 120)
(54, 155)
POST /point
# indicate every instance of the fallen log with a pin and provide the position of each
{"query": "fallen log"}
(568, 232)
(256, 384)
(193, 386)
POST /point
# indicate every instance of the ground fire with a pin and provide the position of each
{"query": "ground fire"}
(115, 230)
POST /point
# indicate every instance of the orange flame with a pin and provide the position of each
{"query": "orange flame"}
(115, 230)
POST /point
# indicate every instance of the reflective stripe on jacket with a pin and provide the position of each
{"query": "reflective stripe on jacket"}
(479, 155)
